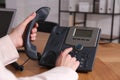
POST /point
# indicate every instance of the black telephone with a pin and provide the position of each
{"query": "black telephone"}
(84, 41)
(30, 49)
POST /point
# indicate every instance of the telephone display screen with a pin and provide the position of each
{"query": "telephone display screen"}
(83, 33)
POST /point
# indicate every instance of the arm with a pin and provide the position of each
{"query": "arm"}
(8, 52)
(57, 73)
(9, 43)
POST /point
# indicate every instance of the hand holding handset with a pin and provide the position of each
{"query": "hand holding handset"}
(30, 49)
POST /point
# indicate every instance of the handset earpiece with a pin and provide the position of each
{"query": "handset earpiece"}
(30, 49)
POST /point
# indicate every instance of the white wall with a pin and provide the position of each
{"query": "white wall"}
(26, 7)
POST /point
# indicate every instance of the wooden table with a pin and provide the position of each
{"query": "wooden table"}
(106, 65)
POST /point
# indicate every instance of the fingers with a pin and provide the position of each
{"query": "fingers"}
(75, 63)
(36, 25)
(34, 30)
(33, 33)
(71, 62)
(66, 51)
(28, 19)
(65, 59)
(75, 66)
(33, 36)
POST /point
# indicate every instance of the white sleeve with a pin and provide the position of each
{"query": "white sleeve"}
(57, 73)
(8, 52)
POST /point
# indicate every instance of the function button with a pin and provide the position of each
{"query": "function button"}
(81, 62)
(82, 59)
(76, 52)
(75, 56)
(78, 47)
(80, 66)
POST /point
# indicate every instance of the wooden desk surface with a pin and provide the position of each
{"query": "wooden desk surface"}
(106, 65)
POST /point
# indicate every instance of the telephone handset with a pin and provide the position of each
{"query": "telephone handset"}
(30, 49)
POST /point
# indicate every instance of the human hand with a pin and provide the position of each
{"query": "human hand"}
(17, 34)
(66, 60)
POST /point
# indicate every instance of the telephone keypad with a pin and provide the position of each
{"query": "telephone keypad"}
(80, 55)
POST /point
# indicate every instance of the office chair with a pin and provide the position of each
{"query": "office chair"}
(46, 26)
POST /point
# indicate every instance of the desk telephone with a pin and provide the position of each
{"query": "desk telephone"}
(84, 41)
